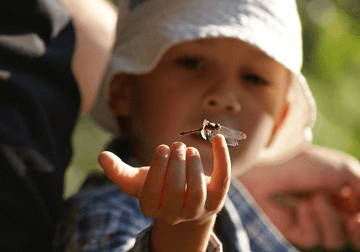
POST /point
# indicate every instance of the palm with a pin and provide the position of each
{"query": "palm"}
(315, 221)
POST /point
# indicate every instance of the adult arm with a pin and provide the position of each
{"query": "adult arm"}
(95, 24)
(39, 103)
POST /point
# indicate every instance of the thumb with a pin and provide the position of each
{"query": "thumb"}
(129, 179)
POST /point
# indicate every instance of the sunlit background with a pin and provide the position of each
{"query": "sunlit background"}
(331, 34)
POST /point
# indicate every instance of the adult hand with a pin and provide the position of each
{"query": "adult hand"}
(316, 174)
(175, 191)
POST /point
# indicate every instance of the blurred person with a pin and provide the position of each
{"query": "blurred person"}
(174, 64)
(46, 51)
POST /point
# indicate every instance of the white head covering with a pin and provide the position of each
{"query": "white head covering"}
(148, 28)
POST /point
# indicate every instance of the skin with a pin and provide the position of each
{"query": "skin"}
(188, 189)
(317, 173)
(191, 75)
(183, 87)
(175, 210)
(95, 26)
(315, 222)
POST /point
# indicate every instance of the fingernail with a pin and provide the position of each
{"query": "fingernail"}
(355, 223)
(192, 151)
(179, 146)
(345, 192)
(163, 150)
(358, 218)
(103, 159)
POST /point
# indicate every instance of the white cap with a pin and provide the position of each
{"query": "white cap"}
(146, 29)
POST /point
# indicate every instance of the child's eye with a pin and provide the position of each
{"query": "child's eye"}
(190, 63)
(254, 79)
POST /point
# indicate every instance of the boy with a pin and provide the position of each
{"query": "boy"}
(175, 64)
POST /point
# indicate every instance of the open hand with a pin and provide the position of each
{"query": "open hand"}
(316, 221)
(174, 188)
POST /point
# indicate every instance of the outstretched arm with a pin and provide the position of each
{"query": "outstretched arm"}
(175, 191)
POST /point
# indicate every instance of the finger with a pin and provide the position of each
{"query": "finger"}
(353, 228)
(220, 177)
(175, 182)
(304, 233)
(352, 171)
(353, 180)
(151, 193)
(346, 200)
(195, 195)
(127, 178)
(330, 223)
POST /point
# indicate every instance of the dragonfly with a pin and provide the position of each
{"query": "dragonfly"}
(209, 130)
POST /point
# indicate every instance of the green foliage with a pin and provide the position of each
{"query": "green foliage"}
(331, 34)
(88, 141)
(114, 2)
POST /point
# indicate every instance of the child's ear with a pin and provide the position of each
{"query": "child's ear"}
(119, 95)
(281, 118)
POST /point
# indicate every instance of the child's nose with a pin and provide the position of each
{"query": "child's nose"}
(223, 103)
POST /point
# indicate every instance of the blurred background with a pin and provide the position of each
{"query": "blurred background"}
(331, 37)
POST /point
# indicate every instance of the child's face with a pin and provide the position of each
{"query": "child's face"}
(194, 81)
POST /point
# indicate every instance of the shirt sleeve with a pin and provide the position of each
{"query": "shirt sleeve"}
(142, 243)
(39, 104)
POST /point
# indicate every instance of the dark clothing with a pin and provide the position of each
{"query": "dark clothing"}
(39, 105)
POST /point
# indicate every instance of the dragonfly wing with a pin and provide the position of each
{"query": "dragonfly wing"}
(230, 133)
(231, 141)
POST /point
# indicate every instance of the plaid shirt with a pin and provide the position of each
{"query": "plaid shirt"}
(100, 217)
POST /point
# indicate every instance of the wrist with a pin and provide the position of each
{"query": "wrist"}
(184, 236)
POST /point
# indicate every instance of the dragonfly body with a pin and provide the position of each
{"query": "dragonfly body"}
(209, 130)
